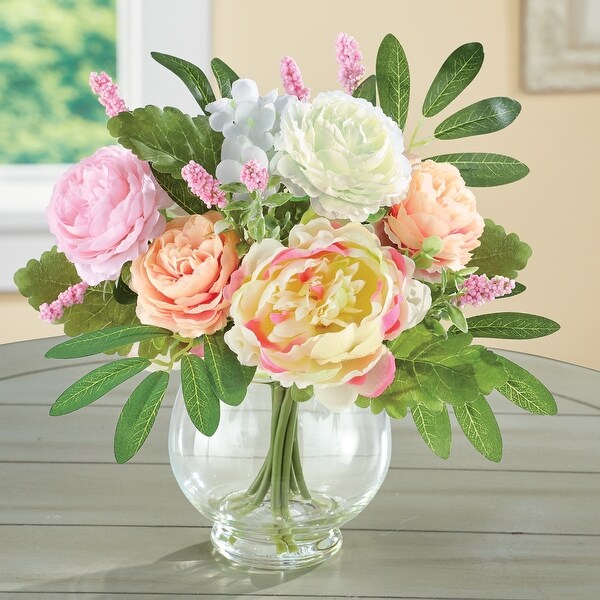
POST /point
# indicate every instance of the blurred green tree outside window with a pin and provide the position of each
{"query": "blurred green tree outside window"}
(47, 49)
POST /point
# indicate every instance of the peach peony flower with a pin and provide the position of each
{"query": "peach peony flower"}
(104, 210)
(317, 313)
(180, 280)
(437, 204)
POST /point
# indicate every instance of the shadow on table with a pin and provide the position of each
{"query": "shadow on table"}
(197, 569)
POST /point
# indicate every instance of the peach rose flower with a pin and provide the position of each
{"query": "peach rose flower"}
(180, 280)
(318, 313)
(437, 204)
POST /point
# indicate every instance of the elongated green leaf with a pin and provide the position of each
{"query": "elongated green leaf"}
(193, 77)
(180, 193)
(519, 289)
(393, 79)
(526, 391)
(480, 427)
(482, 169)
(485, 116)
(434, 428)
(499, 253)
(224, 75)
(509, 326)
(105, 340)
(168, 138)
(200, 401)
(367, 90)
(97, 383)
(138, 415)
(228, 376)
(457, 72)
(458, 318)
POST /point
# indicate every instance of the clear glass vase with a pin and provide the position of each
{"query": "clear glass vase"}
(279, 478)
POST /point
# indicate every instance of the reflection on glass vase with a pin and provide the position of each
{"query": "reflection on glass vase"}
(280, 477)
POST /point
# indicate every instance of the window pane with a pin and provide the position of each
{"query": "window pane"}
(47, 50)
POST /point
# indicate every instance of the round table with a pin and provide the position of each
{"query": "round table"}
(74, 524)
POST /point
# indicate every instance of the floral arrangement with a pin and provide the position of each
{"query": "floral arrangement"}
(298, 238)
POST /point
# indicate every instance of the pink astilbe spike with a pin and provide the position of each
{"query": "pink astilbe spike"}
(254, 176)
(71, 296)
(203, 185)
(349, 57)
(108, 93)
(478, 289)
(292, 79)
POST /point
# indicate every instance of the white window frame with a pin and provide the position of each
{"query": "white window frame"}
(179, 27)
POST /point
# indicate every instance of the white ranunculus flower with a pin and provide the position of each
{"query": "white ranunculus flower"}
(344, 153)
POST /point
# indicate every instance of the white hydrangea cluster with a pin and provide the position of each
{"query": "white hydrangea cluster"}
(248, 122)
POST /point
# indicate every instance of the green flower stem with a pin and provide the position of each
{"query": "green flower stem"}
(277, 455)
(286, 467)
(297, 469)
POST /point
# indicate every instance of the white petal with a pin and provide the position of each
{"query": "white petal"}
(336, 397)
(219, 120)
(223, 104)
(229, 171)
(244, 89)
(255, 153)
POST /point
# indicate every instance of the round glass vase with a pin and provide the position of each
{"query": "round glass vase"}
(280, 477)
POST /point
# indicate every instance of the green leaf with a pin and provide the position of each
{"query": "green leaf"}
(224, 75)
(229, 378)
(138, 415)
(122, 293)
(154, 347)
(432, 370)
(168, 138)
(180, 193)
(482, 169)
(193, 77)
(200, 401)
(510, 326)
(457, 72)
(519, 289)
(457, 317)
(525, 390)
(499, 253)
(98, 311)
(367, 90)
(485, 116)
(105, 340)
(301, 395)
(97, 383)
(393, 79)
(480, 427)
(41, 281)
(434, 428)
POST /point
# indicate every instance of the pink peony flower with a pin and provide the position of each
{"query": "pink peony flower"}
(103, 212)
(181, 279)
(437, 204)
(317, 313)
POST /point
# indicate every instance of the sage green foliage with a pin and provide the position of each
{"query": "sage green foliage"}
(519, 289)
(510, 326)
(457, 72)
(168, 138)
(180, 193)
(224, 75)
(393, 79)
(432, 370)
(47, 49)
(138, 415)
(480, 427)
(105, 340)
(192, 76)
(367, 90)
(483, 169)
(97, 383)
(499, 253)
(485, 116)
(434, 428)
(41, 281)
(200, 400)
(525, 390)
(228, 377)
(301, 395)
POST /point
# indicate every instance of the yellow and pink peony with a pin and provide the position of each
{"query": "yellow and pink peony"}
(181, 279)
(318, 312)
(437, 204)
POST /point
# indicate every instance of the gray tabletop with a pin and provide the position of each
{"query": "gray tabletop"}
(75, 525)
